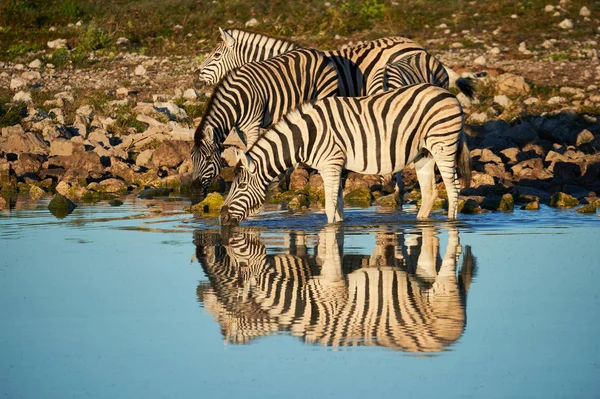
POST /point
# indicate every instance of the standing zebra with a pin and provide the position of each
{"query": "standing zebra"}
(357, 65)
(253, 97)
(378, 134)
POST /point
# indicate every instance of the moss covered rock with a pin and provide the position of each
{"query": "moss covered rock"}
(531, 206)
(298, 202)
(150, 193)
(360, 197)
(61, 206)
(507, 203)
(469, 206)
(563, 200)
(115, 202)
(211, 205)
(586, 209)
(36, 193)
(3, 203)
(390, 200)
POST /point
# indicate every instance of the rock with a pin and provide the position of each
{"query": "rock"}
(74, 176)
(566, 24)
(63, 147)
(61, 206)
(356, 181)
(510, 84)
(86, 111)
(210, 205)
(585, 12)
(531, 169)
(479, 117)
(586, 209)
(150, 193)
(122, 41)
(22, 96)
(531, 206)
(494, 51)
(58, 43)
(251, 23)
(115, 202)
(480, 60)
(3, 203)
(298, 179)
(469, 206)
(584, 137)
(19, 143)
(84, 161)
(16, 83)
(36, 192)
(121, 169)
(144, 158)
(139, 70)
(35, 64)
(171, 154)
(531, 101)
(522, 133)
(390, 200)
(63, 187)
(479, 179)
(111, 186)
(190, 94)
(298, 202)
(28, 163)
(502, 100)
(174, 112)
(556, 100)
(563, 200)
(12, 130)
(360, 197)
(8, 180)
(31, 75)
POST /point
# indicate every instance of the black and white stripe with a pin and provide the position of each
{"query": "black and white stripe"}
(377, 134)
(253, 97)
(411, 300)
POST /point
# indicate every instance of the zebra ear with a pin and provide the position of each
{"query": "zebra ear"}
(227, 38)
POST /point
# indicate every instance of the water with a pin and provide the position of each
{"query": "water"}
(144, 301)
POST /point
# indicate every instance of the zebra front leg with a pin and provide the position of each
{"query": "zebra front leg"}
(332, 181)
(425, 168)
(339, 210)
(448, 171)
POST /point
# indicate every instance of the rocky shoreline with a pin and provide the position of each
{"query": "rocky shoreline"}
(526, 149)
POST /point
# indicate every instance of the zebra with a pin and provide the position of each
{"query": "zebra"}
(253, 97)
(340, 303)
(358, 65)
(377, 134)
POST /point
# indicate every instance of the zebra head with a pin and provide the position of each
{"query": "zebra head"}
(206, 159)
(247, 192)
(216, 65)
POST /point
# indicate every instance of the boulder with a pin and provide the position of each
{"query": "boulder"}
(210, 205)
(531, 206)
(298, 179)
(469, 206)
(121, 170)
(8, 180)
(36, 192)
(172, 110)
(563, 200)
(297, 202)
(63, 188)
(390, 200)
(360, 197)
(111, 186)
(60, 206)
(20, 143)
(3, 203)
(28, 163)
(356, 181)
(531, 169)
(510, 84)
(85, 161)
(75, 176)
(171, 154)
(586, 209)
(497, 203)
(64, 147)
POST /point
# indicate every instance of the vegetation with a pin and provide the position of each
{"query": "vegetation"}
(189, 26)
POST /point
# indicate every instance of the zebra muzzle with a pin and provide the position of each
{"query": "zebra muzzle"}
(225, 218)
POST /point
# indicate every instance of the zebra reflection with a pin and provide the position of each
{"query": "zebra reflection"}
(404, 295)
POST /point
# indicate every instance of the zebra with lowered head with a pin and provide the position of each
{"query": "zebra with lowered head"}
(378, 134)
(358, 65)
(253, 97)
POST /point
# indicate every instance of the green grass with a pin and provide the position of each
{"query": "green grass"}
(10, 114)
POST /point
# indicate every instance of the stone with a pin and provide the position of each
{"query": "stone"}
(86, 111)
(16, 83)
(531, 101)
(63, 147)
(31, 75)
(360, 197)
(586, 209)
(521, 133)
(36, 192)
(298, 202)
(58, 43)
(494, 51)
(356, 181)
(480, 60)
(22, 96)
(60, 206)
(563, 200)
(549, 8)
(28, 163)
(298, 179)
(139, 70)
(470, 206)
(502, 100)
(531, 169)
(556, 100)
(115, 202)
(174, 112)
(566, 24)
(510, 84)
(478, 117)
(171, 154)
(251, 23)
(479, 179)
(122, 91)
(121, 170)
(122, 41)
(63, 187)
(390, 200)
(190, 94)
(585, 12)
(531, 206)
(584, 137)
(144, 158)
(111, 186)
(84, 161)
(19, 143)
(210, 205)
(36, 64)
(3, 203)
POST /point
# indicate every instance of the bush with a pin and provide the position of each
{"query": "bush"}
(93, 38)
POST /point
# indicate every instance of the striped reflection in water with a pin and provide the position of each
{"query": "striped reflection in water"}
(403, 296)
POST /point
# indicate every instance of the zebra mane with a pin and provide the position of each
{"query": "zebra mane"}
(209, 104)
(256, 36)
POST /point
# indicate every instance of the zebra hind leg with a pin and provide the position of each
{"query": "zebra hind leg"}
(425, 168)
(332, 182)
(448, 171)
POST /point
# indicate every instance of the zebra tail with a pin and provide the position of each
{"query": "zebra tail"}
(463, 160)
(466, 86)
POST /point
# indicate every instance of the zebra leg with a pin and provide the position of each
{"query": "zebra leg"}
(332, 182)
(425, 168)
(339, 210)
(445, 164)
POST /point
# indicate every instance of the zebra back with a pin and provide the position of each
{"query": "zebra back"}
(239, 47)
